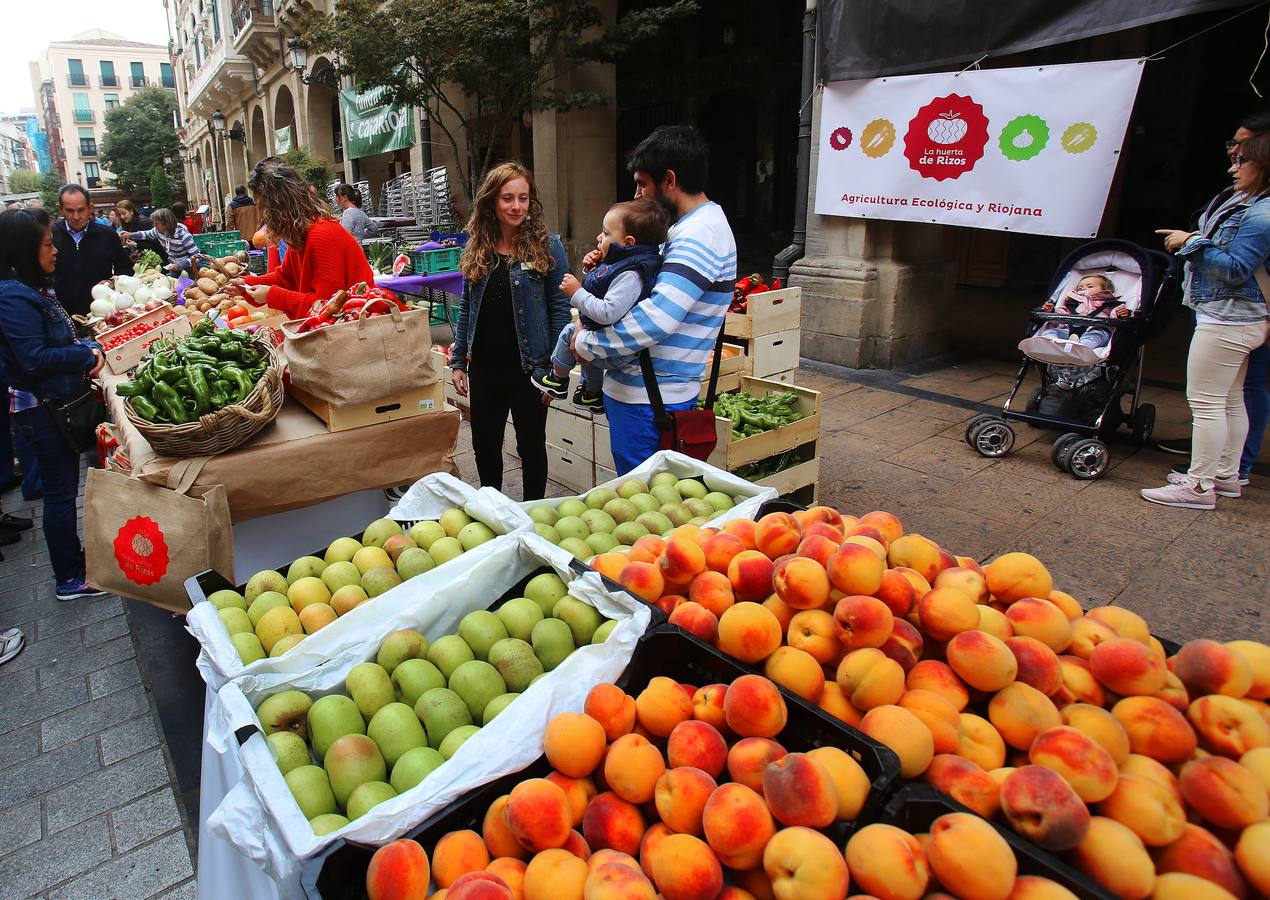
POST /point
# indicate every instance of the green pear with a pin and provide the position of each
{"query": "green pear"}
(415, 677)
(441, 711)
(285, 644)
(395, 729)
(496, 706)
(630, 487)
(666, 493)
(547, 532)
(289, 750)
(268, 580)
(571, 507)
(664, 478)
(581, 618)
(222, 599)
(544, 515)
(602, 633)
(414, 561)
(477, 683)
(327, 823)
(285, 711)
(456, 738)
(426, 533)
(676, 513)
(448, 653)
(399, 647)
(414, 766)
(482, 630)
(474, 534)
(601, 543)
(248, 646)
(597, 520)
(454, 521)
(519, 616)
(580, 549)
(352, 760)
(397, 545)
(545, 590)
(572, 527)
(444, 550)
(366, 797)
(379, 531)
(342, 550)
(370, 687)
(622, 510)
(646, 502)
(655, 522)
(629, 532)
(691, 488)
(305, 567)
(516, 662)
(340, 574)
(312, 790)
(262, 604)
(720, 501)
(699, 508)
(380, 580)
(235, 620)
(552, 642)
(332, 717)
(599, 496)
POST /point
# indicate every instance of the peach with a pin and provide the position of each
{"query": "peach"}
(797, 671)
(456, 854)
(632, 767)
(1208, 667)
(397, 871)
(823, 515)
(644, 580)
(1198, 852)
(802, 583)
(479, 886)
(1079, 684)
(1257, 761)
(613, 857)
(662, 705)
(932, 675)
(855, 569)
(1148, 809)
(696, 620)
(539, 814)
(1146, 767)
(994, 622)
(849, 780)
(1180, 886)
(980, 742)
(886, 861)
(612, 708)
(1124, 622)
(969, 581)
(1015, 576)
(970, 858)
(754, 707)
(946, 612)
(833, 701)
(1101, 726)
(937, 714)
(707, 705)
(1127, 667)
(1088, 633)
(1224, 792)
(1035, 887)
(1227, 726)
(1021, 712)
(649, 846)
(574, 744)
(887, 523)
(692, 533)
(915, 578)
(777, 534)
(685, 869)
(783, 612)
(904, 733)
(904, 645)
(823, 529)
(982, 661)
(1042, 807)
(512, 873)
(680, 797)
(1253, 855)
(870, 540)
(749, 631)
(697, 744)
(750, 573)
(1038, 665)
(868, 678)
(616, 881)
(580, 792)
(742, 530)
(1174, 692)
(737, 825)
(862, 622)
(1257, 655)
(805, 865)
(912, 551)
(813, 631)
(576, 844)
(818, 547)
(749, 758)
(555, 875)
(1079, 759)
(668, 603)
(610, 565)
(498, 837)
(966, 783)
(647, 549)
(800, 791)
(611, 823)
(1114, 856)
(1067, 603)
(713, 591)
(1155, 729)
(719, 550)
(1040, 619)
(896, 592)
(682, 560)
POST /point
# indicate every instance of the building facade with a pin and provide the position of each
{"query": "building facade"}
(16, 153)
(77, 82)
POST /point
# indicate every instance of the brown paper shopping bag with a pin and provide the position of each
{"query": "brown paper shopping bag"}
(143, 541)
(363, 360)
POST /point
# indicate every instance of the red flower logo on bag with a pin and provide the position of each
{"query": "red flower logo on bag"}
(141, 551)
(946, 137)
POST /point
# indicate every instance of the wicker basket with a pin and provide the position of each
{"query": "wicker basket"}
(225, 429)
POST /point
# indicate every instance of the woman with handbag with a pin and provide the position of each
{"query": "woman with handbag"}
(48, 370)
(513, 311)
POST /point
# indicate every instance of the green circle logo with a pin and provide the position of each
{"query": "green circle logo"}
(1023, 138)
(1079, 137)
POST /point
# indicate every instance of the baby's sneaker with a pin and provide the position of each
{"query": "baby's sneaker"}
(550, 384)
(594, 403)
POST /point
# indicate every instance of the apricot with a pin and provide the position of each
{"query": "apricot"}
(737, 825)
(697, 744)
(719, 549)
(1146, 767)
(868, 679)
(802, 583)
(887, 523)
(680, 797)
(1208, 667)
(611, 823)
(1127, 667)
(1114, 856)
(685, 869)
(749, 758)
(804, 864)
(1088, 633)
(980, 742)
(1079, 684)
(662, 705)
(813, 631)
(511, 872)
(1155, 729)
(1067, 603)
(707, 705)
(1198, 852)
(1020, 712)
(1180, 886)
(1040, 619)
(632, 767)
(994, 622)
(818, 547)
(937, 714)
(855, 569)
(1257, 655)
(1042, 807)
(965, 782)
(754, 707)
(1035, 887)
(649, 846)
(1224, 792)
(1253, 855)
(1126, 623)
(969, 857)
(479, 886)
(982, 661)
(862, 622)
(456, 854)
(1148, 809)
(610, 565)
(932, 675)
(613, 708)
(749, 631)
(777, 534)
(946, 612)
(886, 861)
(904, 733)
(617, 881)
(1015, 576)
(750, 573)
(555, 875)
(580, 792)
(696, 620)
(713, 591)
(576, 844)
(1037, 663)
(850, 780)
(800, 791)
(904, 645)
(896, 592)
(644, 580)
(668, 603)
(1079, 759)
(574, 744)
(397, 871)
(1228, 726)
(833, 701)
(1101, 726)
(970, 581)
(1174, 692)
(497, 836)
(647, 549)
(912, 551)
(796, 671)
(915, 578)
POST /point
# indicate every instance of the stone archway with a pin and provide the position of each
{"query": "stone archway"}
(284, 115)
(258, 147)
(320, 99)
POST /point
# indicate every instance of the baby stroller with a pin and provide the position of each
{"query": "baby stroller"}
(1082, 388)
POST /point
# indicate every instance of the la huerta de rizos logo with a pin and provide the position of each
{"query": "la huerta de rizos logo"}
(946, 137)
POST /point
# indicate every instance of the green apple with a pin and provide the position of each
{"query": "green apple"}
(448, 653)
(655, 522)
(602, 633)
(545, 590)
(629, 532)
(719, 500)
(285, 711)
(664, 478)
(414, 766)
(397, 545)
(547, 532)
(235, 620)
(474, 534)
(582, 618)
(543, 515)
(441, 711)
(516, 662)
(338, 575)
(496, 706)
(482, 629)
(598, 521)
(369, 558)
(630, 487)
(646, 502)
(262, 604)
(414, 678)
(268, 580)
(699, 508)
(289, 750)
(380, 580)
(348, 598)
(454, 521)
(572, 527)
(285, 644)
(400, 646)
(622, 510)
(578, 547)
(366, 797)
(276, 624)
(342, 550)
(571, 507)
(552, 642)
(690, 487)
(305, 567)
(370, 687)
(353, 760)
(477, 683)
(248, 646)
(227, 598)
(395, 729)
(456, 738)
(598, 497)
(676, 513)
(519, 616)
(331, 717)
(601, 542)
(327, 823)
(444, 550)
(666, 493)
(379, 531)
(312, 790)
(414, 561)
(427, 533)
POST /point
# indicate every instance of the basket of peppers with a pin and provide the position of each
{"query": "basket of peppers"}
(204, 393)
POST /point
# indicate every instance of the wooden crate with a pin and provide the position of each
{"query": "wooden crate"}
(767, 354)
(571, 432)
(603, 474)
(796, 478)
(786, 377)
(766, 313)
(565, 467)
(726, 383)
(731, 455)
(122, 357)
(603, 450)
(401, 406)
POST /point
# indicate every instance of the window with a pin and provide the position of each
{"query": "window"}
(166, 76)
(108, 77)
(92, 175)
(87, 142)
(75, 76)
(138, 74)
(82, 112)
(112, 100)
(215, 23)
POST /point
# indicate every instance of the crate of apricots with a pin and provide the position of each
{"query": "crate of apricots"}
(1131, 758)
(660, 786)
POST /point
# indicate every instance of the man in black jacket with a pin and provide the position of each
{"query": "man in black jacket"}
(86, 252)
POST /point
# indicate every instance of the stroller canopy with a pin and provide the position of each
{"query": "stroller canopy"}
(1136, 272)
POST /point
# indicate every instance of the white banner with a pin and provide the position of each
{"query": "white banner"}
(1029, 149)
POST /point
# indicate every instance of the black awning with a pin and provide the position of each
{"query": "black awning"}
(867, 38)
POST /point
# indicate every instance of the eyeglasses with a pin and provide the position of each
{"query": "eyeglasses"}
(1231, 145)
(1239, 161)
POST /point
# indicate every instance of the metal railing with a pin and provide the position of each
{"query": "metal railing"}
(82, 115)
(87, 148)
(92, 182)
(77, 79)
(109, 81)
(245, 12)
(167, 82)
(139, 81)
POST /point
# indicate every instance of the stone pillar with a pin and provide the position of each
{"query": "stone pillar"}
(875, 292)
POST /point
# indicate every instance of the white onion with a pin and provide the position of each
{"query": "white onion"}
(143, 295)
(160, 292)
(101, 308)
(128, 284)
(101, 291)
(122, 300)
(161, 282)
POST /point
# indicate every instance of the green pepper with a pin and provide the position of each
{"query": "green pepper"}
(170, 402)
(198, 388)
(240, 380)
(194, 356)
(250, 355)
(230, 350)
(166, 369)
(219, 393)
(209, 344)
(204, 328)
(143, 407)
(255, 373)
(129, 389)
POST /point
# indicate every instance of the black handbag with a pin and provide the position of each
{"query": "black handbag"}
(77, 418)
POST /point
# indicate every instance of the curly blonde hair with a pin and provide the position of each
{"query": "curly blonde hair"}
(287, 206)
(531, 246)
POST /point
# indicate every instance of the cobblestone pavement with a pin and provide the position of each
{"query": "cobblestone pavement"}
(91, 742)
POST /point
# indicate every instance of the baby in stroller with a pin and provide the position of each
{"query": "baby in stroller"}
(1094, 295)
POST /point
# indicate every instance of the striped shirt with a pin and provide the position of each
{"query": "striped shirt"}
(680, 321)
(180, 247)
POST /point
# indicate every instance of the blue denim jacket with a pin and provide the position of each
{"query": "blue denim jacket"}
(39, 351)
(540, 310)
(1221, 271)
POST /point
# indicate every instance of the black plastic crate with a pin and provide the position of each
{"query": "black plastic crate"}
(915, 807)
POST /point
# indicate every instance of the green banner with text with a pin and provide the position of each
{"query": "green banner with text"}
(282, 140)
(373, 126)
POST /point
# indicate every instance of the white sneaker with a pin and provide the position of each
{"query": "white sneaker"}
(1184, 495)
(1224, 487)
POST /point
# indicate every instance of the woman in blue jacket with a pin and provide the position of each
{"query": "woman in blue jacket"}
(44, 361)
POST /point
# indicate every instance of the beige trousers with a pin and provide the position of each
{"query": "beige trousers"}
(1215, 370)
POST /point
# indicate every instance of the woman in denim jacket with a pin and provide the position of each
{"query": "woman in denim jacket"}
(1222, 265)
(44, 360)
(512, 313)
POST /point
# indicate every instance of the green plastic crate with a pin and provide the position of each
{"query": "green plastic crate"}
(220, 243)
(432, 262)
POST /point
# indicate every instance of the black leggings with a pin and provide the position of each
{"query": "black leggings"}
(493, 397)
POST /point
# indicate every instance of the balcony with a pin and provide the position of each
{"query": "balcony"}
(169, 82)
(254, 31)
(87, 148)
(110, 81)
(138, 81)
(77, 80)
(222, 80)
(82, 115)
(92, 182)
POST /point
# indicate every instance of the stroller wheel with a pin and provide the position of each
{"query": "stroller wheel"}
(975, 423)
(992, 439)
(1087, 459)
(1034, 400)
(1058, 453)
(1143, 423)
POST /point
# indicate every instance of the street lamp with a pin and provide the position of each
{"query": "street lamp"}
(218, 122)
(218, 127)
(299, 51)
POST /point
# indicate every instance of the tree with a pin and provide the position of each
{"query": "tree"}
(139, 133)
(160, 189)
(52, 183)
(312, 169)
(24, 181)
(509, 57)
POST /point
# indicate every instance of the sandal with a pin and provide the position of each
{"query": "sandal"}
(11, 644)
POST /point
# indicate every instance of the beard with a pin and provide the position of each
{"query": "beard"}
(666, 203)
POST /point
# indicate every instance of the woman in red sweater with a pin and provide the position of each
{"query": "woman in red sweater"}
(322, 257)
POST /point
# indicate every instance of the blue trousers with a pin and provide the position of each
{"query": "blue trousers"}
(633, 433)
(59, 468)
(1257, 403)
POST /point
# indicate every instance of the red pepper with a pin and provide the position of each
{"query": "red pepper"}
(776, 285)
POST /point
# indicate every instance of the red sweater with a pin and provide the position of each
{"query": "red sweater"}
(331, 260)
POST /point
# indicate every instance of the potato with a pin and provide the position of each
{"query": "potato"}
(208, 286)
(220, 278)
(232, 269)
